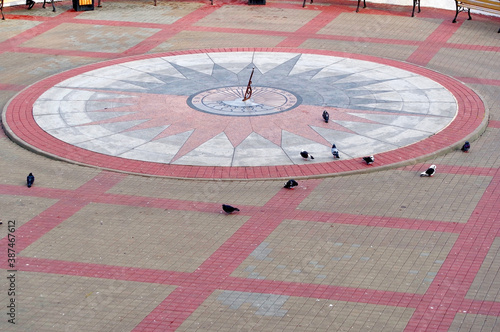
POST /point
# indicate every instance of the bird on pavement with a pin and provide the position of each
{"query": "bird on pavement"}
(30, 180)
(229, 209)
(326, 116)
(369, 160)
(306, 155)
(290, 184)
(335, 151)
(430, 171)
(465, 147)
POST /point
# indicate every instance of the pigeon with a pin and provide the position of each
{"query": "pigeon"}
(335, 152)
(369, 160)
(466, 147)
(306, 155)
(30, 180)
(229, 209)
(290, 184)
(430, 171)
(326, 116)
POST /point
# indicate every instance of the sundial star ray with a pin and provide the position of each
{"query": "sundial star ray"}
(237, 129)
(197, 138)
(224, 76)
(245, 73)
(274, 76)
(299, 77)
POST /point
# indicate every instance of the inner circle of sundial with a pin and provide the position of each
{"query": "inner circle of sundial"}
(230, 101)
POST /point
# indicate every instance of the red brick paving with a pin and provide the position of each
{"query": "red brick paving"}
(449, 287)
(434, 310)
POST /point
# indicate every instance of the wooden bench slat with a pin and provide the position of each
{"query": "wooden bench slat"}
(495, 5)
(490, 6)
(485, 8)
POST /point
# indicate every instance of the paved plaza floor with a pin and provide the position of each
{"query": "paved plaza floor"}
(132, 119)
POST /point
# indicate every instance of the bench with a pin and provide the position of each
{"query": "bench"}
(357, 9)
(490, 6)
(416, 3)
(30, 4)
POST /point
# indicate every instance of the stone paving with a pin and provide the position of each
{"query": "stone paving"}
(377, 249)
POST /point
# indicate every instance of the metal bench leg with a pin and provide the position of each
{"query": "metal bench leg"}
(364, 5)
(53, 7)
(1, 10)
(458, 11)
(416, 3)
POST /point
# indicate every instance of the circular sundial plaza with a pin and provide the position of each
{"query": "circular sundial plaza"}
(186, 115)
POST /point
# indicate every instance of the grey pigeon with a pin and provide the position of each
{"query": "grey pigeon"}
(326, 116)
(465, 147)
(290, 184)
(30, 180)
(430, 171)
(229, 209)
(306, 155)
(369, 160)
(335, 151)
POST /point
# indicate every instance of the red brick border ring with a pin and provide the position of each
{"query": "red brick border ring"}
(469, 123)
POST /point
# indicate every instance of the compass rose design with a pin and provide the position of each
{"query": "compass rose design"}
(189, 109)
(229, 101)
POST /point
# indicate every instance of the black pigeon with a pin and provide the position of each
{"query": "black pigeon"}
(326, 116)
(465, 147)
(290, 184)
(369, 160)
(306, 155)
(30, 180)
(430, 171)
(229, 209)
(335, 151)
